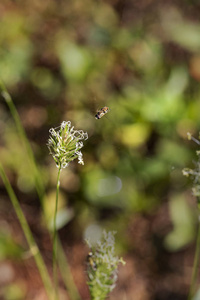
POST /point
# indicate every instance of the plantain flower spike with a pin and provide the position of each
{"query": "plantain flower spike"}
(102, 266)
(65, 143)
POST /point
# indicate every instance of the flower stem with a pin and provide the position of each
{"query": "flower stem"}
(195, 264)
(39, 184)
(55, 275)
(66, 274)
(29, 237)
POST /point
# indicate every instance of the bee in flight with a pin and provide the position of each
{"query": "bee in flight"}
(101, 112)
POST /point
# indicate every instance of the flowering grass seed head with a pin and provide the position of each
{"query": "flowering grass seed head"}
(102, 266)
(65, 143)
(194, 173)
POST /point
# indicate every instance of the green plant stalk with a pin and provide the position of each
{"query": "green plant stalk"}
(195, 264)
(55, 275)
(37, 176)
(66, 274)
(29, 237)
(68, 280)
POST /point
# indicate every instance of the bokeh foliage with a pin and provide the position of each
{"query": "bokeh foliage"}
(66, 60)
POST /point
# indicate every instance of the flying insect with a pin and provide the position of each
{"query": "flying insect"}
(101, 112)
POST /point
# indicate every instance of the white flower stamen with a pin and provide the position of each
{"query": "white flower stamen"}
(64, 144)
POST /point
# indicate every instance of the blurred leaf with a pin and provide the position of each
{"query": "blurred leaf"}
(64, 214)
(134, 135)
(75, 60)
(16, 49)
(9, 248)
(123, 38)
(172, 152)
(146, 55)
(103, 189)
(153, 169)
(15, 158)
(180, 30)
(105, 15)
(177, 82)
(166, 103)
(197, 295)
(44, 80)
(99, 36)
(182, 218)
(14, 291)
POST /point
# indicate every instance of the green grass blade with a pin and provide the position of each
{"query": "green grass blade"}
(63, 264)
(29, 237)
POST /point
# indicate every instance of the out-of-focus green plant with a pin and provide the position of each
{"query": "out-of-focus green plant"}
(182, 218)
(8, 247)
(29, 237)
(102, 266)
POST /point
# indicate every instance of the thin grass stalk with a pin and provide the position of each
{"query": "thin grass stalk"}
(29, 237)
(55, 275)
(66, 274)
(195, 264)
(63, 263)
(37, 176)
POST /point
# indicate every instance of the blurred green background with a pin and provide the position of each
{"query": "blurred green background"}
(64, 60)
